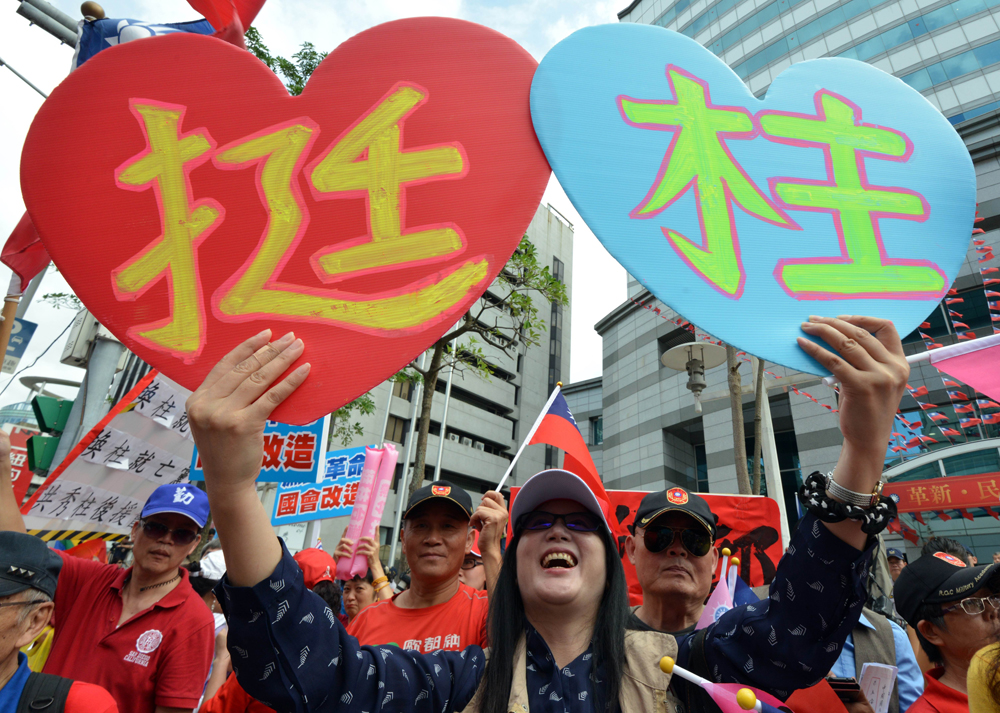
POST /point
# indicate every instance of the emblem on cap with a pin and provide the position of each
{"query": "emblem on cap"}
(677, 496)
(441, 490)
(950, 559)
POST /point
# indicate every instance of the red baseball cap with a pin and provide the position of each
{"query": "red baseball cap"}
(316, 566)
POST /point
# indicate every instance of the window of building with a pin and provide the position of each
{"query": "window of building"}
(402, 389)
(984, 461)
(517, 395)
(520, 363)
(396, 430)
(597, 430)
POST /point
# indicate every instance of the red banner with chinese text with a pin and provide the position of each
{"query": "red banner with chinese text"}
(946, 493)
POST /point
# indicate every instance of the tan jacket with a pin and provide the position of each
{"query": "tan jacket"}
(644, 685)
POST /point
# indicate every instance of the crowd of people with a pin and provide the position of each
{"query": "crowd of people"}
(536, 620)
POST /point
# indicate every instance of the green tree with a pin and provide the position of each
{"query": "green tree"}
(294, 71)
(506, 317)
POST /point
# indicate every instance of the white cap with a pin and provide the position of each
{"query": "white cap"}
(213, 565)
(555, 484)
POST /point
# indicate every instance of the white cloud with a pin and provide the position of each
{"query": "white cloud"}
(599, 282)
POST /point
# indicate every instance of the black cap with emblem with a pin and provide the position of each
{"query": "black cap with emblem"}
(674, 500)
(939, 578)
(441, 490)
(26, 563)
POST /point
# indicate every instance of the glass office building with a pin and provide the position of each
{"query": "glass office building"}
(949, 51)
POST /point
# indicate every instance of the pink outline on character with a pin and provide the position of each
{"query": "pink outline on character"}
(363, 192)
(874, 216)
(722, 137)
(188, 167)
(296, 190)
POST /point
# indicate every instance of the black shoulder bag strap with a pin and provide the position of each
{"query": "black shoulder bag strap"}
(44, 692)
(697, 700)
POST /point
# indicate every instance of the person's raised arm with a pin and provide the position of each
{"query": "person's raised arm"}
(872, 371)
(227, 415)
(490, 519)
(369, 548)
(10, 513)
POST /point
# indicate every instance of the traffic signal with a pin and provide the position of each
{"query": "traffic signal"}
(52, 415)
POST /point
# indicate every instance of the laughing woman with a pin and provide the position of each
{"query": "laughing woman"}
(559, 608)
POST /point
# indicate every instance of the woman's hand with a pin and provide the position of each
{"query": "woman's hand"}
(227, 415)
(490, 518)
(228, 412)
(872, 371)
(369, 548)
(345, 548)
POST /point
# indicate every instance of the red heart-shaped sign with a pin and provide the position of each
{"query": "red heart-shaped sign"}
(191, 202)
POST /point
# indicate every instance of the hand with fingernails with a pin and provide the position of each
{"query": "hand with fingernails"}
(869, 363)
(227, 414)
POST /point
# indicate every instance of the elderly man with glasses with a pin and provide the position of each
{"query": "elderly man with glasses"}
(142, 633)
(955, 611)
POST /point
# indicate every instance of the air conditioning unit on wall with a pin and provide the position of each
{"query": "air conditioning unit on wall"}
(466, 441)
(479, 446)
(453, 437)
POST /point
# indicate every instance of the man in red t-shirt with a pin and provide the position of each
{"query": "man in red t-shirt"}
(142, 633)
(955, 611)
(28, 574)
(437, 611)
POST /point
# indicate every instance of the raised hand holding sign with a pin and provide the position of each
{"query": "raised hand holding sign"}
(366, 214)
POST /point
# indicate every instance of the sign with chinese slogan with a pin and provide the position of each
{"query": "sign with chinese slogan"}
(748, 525)
(292, 454)
(333, 496)
(366, 214)
(842, 191)
(100, 487)
(958, 492)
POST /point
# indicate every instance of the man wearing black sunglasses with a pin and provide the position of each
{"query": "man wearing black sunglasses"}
(672, 545)
(142, 633)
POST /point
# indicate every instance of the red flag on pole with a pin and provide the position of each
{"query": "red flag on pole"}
(24, 253)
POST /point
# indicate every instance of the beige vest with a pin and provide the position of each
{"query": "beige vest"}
(644, 685)
(876, 646)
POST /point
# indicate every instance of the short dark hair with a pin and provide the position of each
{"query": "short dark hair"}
(330, 592)
(931, 613)
(947, 545)
(369, 577)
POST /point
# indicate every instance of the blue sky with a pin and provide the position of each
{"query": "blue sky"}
(599, 282)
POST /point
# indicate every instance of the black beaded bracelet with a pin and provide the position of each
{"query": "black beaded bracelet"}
(873, 519)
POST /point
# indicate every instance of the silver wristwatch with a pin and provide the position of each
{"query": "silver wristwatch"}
(852, 497)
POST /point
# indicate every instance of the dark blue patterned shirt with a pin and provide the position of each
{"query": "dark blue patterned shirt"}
(290, 652)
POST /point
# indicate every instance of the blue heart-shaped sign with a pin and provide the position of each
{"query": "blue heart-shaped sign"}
(843, 192)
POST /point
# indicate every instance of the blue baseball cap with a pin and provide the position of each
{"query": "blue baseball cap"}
(182, 498)
(895, 552)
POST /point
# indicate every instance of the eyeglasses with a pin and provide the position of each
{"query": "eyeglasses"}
(21, 604)
(471, 563)
(974, 605)
(157, 530)
(697, 540)
(575, 521)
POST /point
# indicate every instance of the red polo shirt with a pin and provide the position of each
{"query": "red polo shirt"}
(939, 698)
(161, 656)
